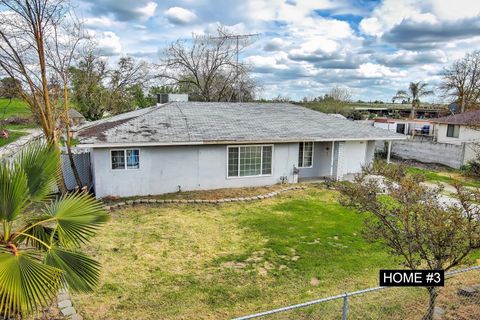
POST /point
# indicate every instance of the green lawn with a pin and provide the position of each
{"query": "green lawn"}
(220, 261)
(449, 176)
(14, 135)
(17, 108)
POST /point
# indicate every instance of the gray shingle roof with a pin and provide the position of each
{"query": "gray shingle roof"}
(75, 114)
(202, 122)
(467, 118)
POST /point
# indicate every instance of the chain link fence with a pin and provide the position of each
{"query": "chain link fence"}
(459, 299)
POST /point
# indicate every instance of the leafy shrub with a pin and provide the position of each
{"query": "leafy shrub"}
(472, 168)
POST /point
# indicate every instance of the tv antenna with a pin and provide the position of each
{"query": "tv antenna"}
(237, 38)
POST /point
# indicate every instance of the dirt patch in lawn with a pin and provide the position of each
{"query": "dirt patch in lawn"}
(208, 194)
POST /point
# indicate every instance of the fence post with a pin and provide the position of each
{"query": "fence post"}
(345, 307)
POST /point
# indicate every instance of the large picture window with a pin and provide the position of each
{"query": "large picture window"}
(453, 131)
(245, 161)
(305, 155)
(125, 159)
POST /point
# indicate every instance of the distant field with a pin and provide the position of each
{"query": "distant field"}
(16, 108)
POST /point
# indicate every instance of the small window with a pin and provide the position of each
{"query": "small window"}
(245, 161)
(125, 159)
(453, 131)
(305, 155)
(118, 159)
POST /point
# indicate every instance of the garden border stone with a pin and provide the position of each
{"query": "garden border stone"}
(200, 201)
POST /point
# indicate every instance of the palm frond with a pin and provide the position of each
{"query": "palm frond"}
(13, 191)
(34, 231)
(41, 163)
(81, 273)
(25, 284)
(78, 217)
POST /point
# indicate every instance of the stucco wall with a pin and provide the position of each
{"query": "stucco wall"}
(322, 161)
(355, 155)
(465, 134)
(163, 169)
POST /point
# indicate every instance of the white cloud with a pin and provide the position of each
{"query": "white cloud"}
(99, 22)
(266, 10)
(178, 15)
(274, 44)
(262, 63)
(108, 43)
(453, 10)
(148, 10)
(304, 47)
(371, 70)
(391, 13)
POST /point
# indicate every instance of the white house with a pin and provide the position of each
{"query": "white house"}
(193, 146)
(458, 128)
(409, 127)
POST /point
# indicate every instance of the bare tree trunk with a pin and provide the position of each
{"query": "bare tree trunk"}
(462, 104)
(68, 133)
(433, 293)
(62, 187)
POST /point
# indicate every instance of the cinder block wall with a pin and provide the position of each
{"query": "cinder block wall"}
(451, 155)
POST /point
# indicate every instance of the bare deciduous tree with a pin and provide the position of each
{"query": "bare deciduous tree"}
(87, 83)
(128, 74)
(207, 68)
(461, 81)
(413, 222)
(26, 28)
(61, 49)
(342, 94)
(338, 98)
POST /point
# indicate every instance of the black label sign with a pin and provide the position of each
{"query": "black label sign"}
(412, 278)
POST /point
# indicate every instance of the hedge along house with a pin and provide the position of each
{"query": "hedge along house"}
(181, 146)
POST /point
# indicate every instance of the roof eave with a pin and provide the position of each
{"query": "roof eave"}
(223, 142)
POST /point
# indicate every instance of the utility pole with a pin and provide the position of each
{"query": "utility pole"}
(237, 38)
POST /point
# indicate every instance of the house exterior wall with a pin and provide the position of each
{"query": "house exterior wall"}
(370, 152)
(390, 126)
(465, 134)
(164, 169)
(355, 154)
(322, 161)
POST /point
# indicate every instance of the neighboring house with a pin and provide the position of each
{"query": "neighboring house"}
(405, 126)
(76, 118)
(458, 128)
(193, 146)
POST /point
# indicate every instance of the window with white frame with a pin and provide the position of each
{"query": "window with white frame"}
(244, 161)
(305, 155)
(125, 159)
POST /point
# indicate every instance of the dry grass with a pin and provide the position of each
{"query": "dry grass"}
(221, 261)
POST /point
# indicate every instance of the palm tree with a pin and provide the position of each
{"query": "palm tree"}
(416, 90)
(41, 236)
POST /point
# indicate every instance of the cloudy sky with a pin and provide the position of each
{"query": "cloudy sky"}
(305, 47)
